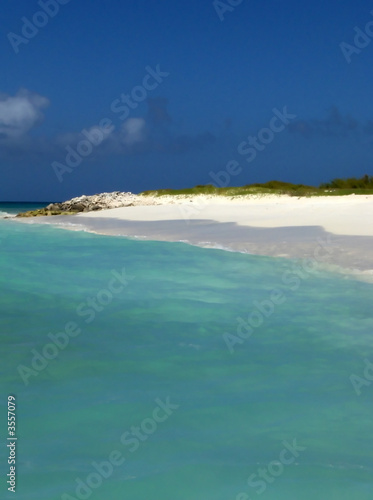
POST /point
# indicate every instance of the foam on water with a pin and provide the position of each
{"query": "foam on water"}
(3, 215)
(12, 209)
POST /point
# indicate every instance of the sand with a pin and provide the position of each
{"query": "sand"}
(335, 231)
(344, 215)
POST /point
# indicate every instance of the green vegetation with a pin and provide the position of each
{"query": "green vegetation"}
(364, 183)
(336, 187)
(44, 212)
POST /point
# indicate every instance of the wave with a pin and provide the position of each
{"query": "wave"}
(6, 214)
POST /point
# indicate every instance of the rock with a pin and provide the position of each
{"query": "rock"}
(85, 203)
(77, 207)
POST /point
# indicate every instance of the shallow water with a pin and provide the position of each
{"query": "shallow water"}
(158, 320)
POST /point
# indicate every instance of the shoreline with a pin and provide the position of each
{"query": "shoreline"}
(274, 226)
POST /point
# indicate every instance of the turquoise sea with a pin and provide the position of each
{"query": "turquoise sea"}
(13, 208)
(161, 370)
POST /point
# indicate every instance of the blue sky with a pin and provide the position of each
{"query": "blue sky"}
(201, 78)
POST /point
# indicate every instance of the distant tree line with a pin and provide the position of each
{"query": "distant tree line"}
(336, 187)
(366, 182)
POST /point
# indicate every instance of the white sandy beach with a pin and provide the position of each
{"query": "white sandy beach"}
(343, 215)
(272, 225)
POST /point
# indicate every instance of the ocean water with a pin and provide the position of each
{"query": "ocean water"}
(13, 208)
(134, 378)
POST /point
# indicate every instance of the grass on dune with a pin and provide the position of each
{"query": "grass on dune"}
(337, 187)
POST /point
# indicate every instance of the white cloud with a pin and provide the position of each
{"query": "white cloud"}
(20, 113)
(134, 131)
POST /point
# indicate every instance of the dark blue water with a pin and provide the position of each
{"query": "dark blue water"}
(9, 209)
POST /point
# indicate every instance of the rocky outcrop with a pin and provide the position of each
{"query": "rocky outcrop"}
(88, 204)
(117, 199)
(95, 202)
